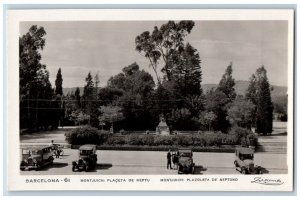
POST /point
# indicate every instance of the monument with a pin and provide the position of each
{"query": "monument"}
(162, 127)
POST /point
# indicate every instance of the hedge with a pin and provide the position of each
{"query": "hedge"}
(86, 135)
(221, 149)
(89, 135)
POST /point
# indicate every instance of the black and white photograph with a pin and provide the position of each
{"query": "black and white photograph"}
(183, 99)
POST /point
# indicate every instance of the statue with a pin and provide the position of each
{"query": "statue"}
(162, 127)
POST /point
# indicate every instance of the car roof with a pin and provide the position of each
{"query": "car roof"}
(87, 147)
(245, 150)
(185, 150)
(34, 147)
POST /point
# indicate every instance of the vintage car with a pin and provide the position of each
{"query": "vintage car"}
(185, 161)
(87, 158)
(244, 161)
(36, 157)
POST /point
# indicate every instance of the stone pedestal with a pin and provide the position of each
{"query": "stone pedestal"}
(162, 128)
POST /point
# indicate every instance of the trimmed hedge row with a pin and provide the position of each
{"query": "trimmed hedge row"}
(221, 149)
(89, 135)
(202, 140)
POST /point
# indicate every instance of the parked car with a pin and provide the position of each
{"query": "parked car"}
(87, 158)
(244, 161)
(185, 161)
(36, 157)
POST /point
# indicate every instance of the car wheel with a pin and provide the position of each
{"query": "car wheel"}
(73, 168)
(87, 168)
(51, 160)
(235, 163)
(244, 171)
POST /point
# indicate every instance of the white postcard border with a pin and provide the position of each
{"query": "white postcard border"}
(17, 182)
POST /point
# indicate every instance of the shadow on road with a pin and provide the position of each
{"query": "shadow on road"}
(199, 169)
(61, 156)
(282, 134)
(271, 136)
(54, 165)
(102, 166)
(264, 170)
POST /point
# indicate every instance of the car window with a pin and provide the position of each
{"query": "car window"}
(25, 151)
(31, 152)
(185, 154)
(85, 152)
(246, 156)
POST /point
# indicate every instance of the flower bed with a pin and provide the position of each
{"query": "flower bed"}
(207, 141)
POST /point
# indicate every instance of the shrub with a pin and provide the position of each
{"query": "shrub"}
(244, 136)
(134, 139)
(199, 141)
(240, 132)
(86, 135)
(184, 140)
(148, 140)
(163, 140)
(116, 141)
(251, 140)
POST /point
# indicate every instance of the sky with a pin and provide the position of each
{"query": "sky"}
(105, 47)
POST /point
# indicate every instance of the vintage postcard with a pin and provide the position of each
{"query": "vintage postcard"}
(150, 100)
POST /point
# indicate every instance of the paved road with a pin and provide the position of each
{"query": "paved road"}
(153, 162)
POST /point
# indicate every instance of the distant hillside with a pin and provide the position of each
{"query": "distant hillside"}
(67, 91)
(241, 87)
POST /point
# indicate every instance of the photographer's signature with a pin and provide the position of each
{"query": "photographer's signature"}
(267, 181)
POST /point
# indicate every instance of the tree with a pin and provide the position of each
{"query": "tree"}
(240, 111)
(209, 117)
(226, 84)
(89, 87)
(187, 71)
(111, 114)
(77, 98)
(161, 43)
(264, 112)
(79, 117)
(36, 92)
(131, 69)
(70, 107)
(181, 119)
(58, 98)
(58, 83)
(251, 94)
(259, 92)
(90, 101)
(217, 102)
(97, 81)
(180, 64)
(187, 76)
(109, 95)
(133, 92)
(30, 45)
